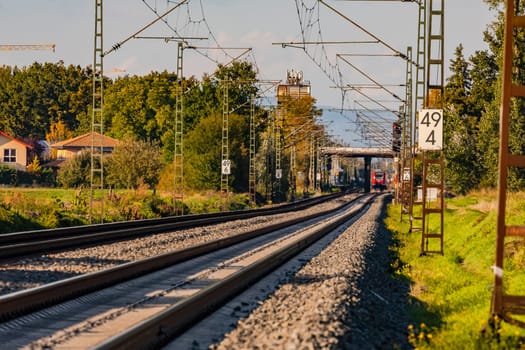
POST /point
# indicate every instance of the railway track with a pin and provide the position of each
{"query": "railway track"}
(21, 244)
(159, 305)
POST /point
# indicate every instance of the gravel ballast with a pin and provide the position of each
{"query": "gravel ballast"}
(338, 295)
(31, 272)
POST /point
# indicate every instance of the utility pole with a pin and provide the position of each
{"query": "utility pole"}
(506, 306)
(97, 117)
(405, 176)
(429, 129)
(415, 206)
(178, 179)
(225, 151)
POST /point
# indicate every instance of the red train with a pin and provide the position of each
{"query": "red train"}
(379, 180)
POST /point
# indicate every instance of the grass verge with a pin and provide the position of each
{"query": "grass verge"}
(450, 294)
(23, 209)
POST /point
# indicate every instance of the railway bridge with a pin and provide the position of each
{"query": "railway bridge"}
(360, 152)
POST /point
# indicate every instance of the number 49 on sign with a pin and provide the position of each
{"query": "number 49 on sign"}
(430, 129)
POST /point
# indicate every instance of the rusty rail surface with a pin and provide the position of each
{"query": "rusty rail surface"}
(163, 327)
(30, 300)
(32, 242)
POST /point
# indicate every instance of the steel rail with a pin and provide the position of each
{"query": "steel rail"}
(31, 242)
(26, 301)
(158, 330)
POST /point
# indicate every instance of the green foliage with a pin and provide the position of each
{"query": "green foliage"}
(8, 176)
(238, 78)
(488, 145)
(202, 168)
(137, 205)
(76, 172)
(462, 166)
(132, 164)
(55, 101)
(203, 153)
(134, 106)
(472, 106)
(451, 294)
(213, 202)
(466, 103)
(23, 209)
(39, 176)
(11, 221)
(32, 98)
(20, 211)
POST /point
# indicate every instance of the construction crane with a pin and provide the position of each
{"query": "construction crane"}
(27, 47)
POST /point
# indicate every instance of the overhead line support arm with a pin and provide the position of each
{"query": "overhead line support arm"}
(119, 44)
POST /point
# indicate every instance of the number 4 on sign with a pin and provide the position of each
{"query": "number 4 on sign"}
(226, 163)
(430, 129)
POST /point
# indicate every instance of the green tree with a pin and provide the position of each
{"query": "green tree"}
(33, 97)
(202, 162)
(458, 84)
(488, 140)
(483, 76)
(239, 78)
(461, 128)
(203, 153)
(126, 110)
(133, 163)
(76, 172)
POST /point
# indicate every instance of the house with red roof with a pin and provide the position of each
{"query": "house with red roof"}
(14, 153)
(67, 149)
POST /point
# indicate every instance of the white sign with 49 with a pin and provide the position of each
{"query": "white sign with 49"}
(430, 124)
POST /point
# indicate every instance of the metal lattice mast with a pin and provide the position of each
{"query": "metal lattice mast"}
(178, 157)
(317, 186)
(278, 148)
(407, 142)
(252, 176)
(415, 206)
(97, 118)
(504, 305)
(225, 154)
(293, 172)
(311, 169)
(433, 161)
(269, 158)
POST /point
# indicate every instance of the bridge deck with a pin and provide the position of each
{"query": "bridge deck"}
(359, 152)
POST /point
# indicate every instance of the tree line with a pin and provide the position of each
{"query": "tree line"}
(54, 102)
(472, 102)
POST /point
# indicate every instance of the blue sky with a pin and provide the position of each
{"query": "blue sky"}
(256, 24)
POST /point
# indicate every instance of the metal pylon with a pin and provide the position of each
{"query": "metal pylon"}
(252, 176)
(178, 158)
(504, 305)
(278, 132)
(433, 161)
(97, 120)
(269, 160)
(293, 171)
(225, 153)
(405, 174)
(311, 168)
(415, 206)
(317, 171)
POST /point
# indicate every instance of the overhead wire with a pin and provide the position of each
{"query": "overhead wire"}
(309, 18)
(193, 24)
